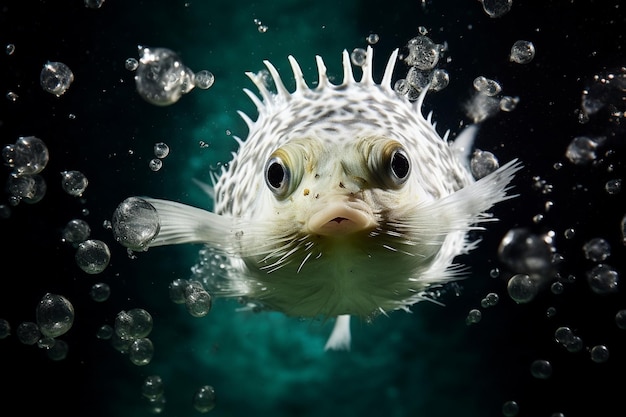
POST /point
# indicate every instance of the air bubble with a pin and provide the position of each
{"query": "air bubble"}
(55, 315)
(55, 78)
(92, 256)
(522, 52)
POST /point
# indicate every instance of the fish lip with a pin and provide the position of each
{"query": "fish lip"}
(342, 218)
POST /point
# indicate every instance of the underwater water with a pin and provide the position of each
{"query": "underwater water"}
(560, 354)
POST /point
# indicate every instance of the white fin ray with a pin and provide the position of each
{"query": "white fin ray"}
(246, 119)
(297, 74)
(368, 76)
(181, 223)
(463, 144)
(348, 76)
(321, 73)
(260, 107)
(207, 188)
(281, 90)
(260, 85)
(388, 75)
(340, 337)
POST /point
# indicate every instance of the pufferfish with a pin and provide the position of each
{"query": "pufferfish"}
(342, 201)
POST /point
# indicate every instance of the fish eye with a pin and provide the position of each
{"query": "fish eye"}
(399, 166)
(277, 176)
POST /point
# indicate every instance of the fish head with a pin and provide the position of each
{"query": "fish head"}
(334, 188)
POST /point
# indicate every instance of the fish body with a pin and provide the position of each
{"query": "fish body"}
(342, 201)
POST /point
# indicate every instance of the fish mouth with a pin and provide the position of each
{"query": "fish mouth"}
(343, 218)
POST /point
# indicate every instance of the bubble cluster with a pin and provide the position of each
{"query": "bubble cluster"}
(132, 329)
(55, 78)
(566, 338)
(423, 55)
(605, 94)
(28, 156)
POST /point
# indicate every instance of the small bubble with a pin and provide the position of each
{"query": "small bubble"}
(55, 315)
(483, 163)
(358, 57)
(28, 333)
(100, 292)
(557, 288)
(74, 183)
(522, 52)
(55, 78)
(599, 354)
(131, 64)
(135, 223)
(603, 279)
(496, 8)
(155, 164)
(94, 4)
(582, 149)
(487, 86)
(508, 103)
(522, 288)
(541, 369)
(372, 38)
(262, 28)
(161, 150)
(204, 399)
(597, 249)
(423, 53)
(75, 231)
(620, 319)
(58, 351)
(10, 49)
(105, 332)
(204, 79)
(613, 186)
(474, 316)
(152, 387)
(141, 351)
(11, 96)
(510, 409)
(5, 329)
(93, 256)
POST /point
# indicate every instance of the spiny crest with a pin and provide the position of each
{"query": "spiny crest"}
(282, 94)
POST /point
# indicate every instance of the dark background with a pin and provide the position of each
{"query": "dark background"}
(420, 352)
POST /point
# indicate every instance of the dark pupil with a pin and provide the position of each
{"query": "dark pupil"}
(275, 174)
(400, 165)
